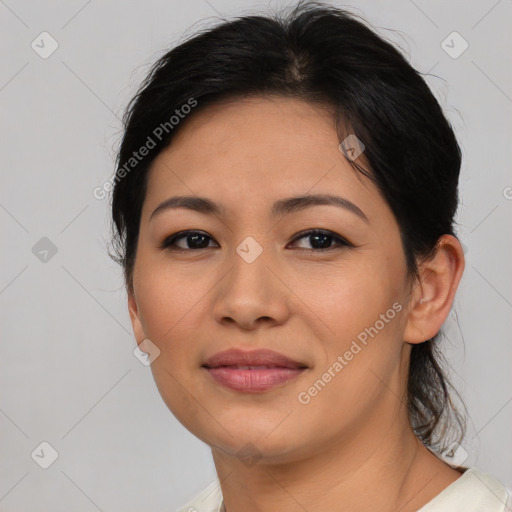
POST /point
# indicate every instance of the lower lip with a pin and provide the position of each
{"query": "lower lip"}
(253, 380)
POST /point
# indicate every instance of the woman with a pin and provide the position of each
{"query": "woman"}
(283, 210)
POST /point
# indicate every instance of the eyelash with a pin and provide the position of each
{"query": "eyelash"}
(169, 242)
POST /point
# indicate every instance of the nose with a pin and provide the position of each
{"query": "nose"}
(251, 295)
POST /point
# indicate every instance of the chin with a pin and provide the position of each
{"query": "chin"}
(259, 441)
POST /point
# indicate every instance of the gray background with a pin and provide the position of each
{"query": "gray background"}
(68, 374)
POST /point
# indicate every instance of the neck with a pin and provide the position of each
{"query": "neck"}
(393, 470)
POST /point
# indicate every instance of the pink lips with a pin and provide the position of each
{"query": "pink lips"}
(252, 371)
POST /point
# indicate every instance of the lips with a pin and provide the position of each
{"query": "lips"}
(255, 358)
(252, 371)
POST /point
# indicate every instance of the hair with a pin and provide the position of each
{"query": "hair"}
(322, 55)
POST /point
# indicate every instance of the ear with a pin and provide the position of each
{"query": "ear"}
(432, 298)
(133, 309)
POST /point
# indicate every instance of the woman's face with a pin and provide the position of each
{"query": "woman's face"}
(251, 279)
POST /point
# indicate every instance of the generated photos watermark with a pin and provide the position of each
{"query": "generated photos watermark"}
(157, 135)
(304, 397)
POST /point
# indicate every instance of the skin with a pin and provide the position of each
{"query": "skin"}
(351, 446)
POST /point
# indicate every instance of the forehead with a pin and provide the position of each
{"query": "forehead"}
(280, 124)
(256, 150)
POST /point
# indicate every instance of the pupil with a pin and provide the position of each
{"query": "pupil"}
(193, 241)
(325, 238)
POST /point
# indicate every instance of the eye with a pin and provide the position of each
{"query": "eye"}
(193, 240)
(322, 240)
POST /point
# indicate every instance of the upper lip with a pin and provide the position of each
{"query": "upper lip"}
(261, 357)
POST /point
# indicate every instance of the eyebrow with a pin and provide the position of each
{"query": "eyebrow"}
(279, 208)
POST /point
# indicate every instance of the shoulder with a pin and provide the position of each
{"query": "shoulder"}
(474, 491)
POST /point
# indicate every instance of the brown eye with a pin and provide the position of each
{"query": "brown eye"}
(321, 240)
(193, 240)
(318, 240)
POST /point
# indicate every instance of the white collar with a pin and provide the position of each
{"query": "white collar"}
(474, 491)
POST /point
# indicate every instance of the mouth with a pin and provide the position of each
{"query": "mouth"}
(252, 371)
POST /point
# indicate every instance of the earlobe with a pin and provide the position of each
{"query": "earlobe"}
(433, 296)
(133, 310)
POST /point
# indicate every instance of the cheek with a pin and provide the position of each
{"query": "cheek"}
(169, 308)
(360, 367)
(349, 299)
(361, 306)
(169, 300)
